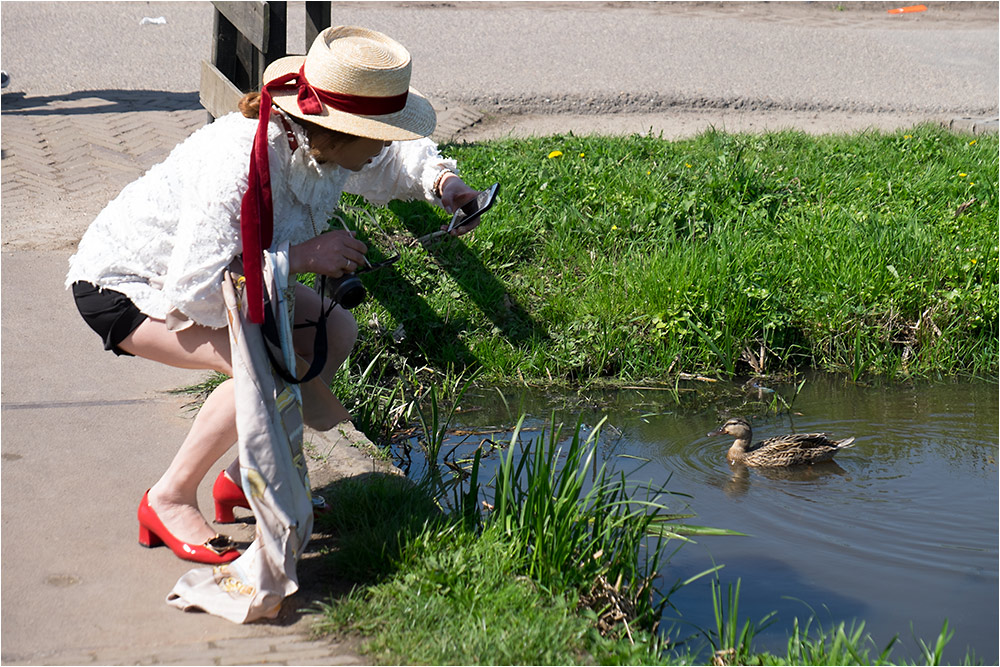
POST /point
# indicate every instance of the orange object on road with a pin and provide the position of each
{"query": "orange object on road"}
(908, 10)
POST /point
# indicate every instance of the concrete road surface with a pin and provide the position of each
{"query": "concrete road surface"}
(546, 58)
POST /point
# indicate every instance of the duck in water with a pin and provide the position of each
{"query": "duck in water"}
(783, 450)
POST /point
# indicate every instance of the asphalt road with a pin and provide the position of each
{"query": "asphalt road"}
(566, 57)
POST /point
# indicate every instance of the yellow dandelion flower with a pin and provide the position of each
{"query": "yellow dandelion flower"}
(972, 142)
(687, 165)
(648, 172)
(973, 260)
(961, 175)
(555, 154)
(907, 136)
(614, 228)
(582, 154)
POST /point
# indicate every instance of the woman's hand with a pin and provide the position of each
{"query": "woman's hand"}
(331, 254)
(455, 194)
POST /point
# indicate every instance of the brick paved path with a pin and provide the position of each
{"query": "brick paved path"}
(74, 153)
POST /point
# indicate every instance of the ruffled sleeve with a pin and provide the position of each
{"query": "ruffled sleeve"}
(405, 170)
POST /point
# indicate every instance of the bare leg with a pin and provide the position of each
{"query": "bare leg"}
(322, 410)
(341, 331)
(174, 496)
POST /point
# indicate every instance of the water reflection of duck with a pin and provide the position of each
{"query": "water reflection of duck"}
(739, 481)
(783, 450)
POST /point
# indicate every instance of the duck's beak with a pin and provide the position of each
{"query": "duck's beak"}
(719, 431)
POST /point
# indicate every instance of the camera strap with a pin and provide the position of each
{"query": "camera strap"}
(320, 344)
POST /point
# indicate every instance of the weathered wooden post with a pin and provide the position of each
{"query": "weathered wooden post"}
(247, 37)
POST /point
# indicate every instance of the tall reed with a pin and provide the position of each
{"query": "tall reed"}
(584, 527)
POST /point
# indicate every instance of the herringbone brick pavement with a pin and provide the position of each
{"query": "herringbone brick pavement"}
(64, 157)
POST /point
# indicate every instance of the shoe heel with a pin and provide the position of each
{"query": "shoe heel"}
(224, 513)
(148, 539)
(227, 494)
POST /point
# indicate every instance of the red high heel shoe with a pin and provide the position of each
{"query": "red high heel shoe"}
(152, 533)
(227, 495)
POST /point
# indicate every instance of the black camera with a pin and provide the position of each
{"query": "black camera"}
(345, 291)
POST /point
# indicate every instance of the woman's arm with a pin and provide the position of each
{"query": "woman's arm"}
(408, 170)
(331, 254)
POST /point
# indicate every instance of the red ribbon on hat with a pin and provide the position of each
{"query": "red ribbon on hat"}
(257, 207)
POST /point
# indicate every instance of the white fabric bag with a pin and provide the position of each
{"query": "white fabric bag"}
(273, 470)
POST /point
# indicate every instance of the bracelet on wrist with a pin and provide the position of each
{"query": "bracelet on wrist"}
(436, 188)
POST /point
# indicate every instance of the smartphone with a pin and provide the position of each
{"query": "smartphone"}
(476, 207)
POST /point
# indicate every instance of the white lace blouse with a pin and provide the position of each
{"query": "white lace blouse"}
(165, 240)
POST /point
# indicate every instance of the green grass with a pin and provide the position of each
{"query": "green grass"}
(637, 260)
(551, 562)
(374, 518)
(457, 599)
(633, 259)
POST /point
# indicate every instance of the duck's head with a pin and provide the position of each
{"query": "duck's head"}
(738, 427)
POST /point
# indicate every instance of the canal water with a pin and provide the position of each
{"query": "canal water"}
(900, 532)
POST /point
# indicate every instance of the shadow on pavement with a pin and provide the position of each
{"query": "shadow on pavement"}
(99, 101)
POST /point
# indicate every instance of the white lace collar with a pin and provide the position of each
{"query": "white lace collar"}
(309, 181)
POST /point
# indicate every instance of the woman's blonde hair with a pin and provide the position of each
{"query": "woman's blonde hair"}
(249, 106)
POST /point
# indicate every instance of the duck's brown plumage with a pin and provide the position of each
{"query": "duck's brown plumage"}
(784, 450)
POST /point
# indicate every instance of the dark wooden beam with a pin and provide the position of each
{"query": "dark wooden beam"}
(317, 19)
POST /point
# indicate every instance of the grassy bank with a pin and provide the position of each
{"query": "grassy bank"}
(551, 562)
(518, 571)
(635, 259)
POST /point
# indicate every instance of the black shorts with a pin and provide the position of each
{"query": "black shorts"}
(111, 314)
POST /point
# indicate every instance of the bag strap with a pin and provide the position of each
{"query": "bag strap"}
(320, 344)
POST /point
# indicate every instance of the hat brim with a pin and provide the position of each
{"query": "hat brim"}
(416, 120)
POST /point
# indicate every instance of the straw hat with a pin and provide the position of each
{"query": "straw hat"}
(362, 83)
